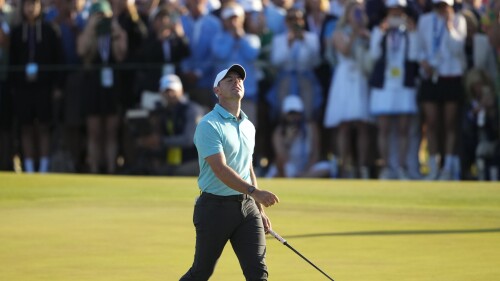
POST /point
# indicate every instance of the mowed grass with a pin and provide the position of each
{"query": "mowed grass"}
(72, 227)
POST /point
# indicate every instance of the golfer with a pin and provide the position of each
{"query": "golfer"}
(230, 205)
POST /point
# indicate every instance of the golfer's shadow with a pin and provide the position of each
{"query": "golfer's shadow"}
(395, 232)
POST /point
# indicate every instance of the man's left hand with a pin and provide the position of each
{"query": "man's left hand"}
(265, 221)
(265, 198)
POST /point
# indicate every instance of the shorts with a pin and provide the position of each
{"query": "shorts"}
(33, 102)
(447, 89)
(98, 100)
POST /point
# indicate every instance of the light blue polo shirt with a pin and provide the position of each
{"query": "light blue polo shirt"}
(221, 132)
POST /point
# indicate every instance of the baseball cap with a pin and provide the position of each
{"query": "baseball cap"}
(235, 67)
(395, 3)
(448, 2)
(292, 103)
(231, 11)
(170, 81)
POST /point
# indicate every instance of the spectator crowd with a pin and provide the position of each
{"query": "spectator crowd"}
(388, 89)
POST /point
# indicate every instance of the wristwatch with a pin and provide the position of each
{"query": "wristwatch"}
(250, 190)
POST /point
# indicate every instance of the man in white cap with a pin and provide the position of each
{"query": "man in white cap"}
(230, 205)
(296, 144)
(173, 131)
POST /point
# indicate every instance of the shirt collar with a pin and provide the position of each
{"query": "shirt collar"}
(226, 115)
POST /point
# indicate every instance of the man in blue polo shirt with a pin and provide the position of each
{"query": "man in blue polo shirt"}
(230, 205)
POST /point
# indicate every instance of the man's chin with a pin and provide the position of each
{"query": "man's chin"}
(239, 93)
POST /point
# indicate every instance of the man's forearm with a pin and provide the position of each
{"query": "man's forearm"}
(232, 179)
(253, 177)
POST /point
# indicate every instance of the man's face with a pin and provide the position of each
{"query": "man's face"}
(31, 9)
(441, 7)
(163, 23)
(195, 4)
(233, 22)
(231, 87)
(171, 96)
(295, 21)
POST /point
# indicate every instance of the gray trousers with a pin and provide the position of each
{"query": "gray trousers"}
(219, 219)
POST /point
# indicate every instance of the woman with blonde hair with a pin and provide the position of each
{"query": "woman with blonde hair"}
(101, 45)
(347, 105)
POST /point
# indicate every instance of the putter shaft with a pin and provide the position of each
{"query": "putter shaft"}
(284, 242)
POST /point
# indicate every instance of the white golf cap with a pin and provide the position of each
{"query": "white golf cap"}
(170, 81)
(235, 67)
(292, 103)
(395, 3)
(448, 2)
(232, 11)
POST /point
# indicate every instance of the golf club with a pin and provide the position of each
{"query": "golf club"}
(284, 242)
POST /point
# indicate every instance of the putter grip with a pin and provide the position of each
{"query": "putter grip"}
(277, 236)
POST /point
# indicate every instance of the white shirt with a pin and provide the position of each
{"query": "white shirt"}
(440, 47)
(300, 56)
(397, 52)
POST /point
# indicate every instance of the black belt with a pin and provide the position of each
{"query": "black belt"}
(238, 198)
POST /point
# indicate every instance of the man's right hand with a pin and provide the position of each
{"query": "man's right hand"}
(265, 198)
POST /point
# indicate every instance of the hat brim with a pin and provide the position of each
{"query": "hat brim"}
(238, 69)
(440, 2)
(223, 74)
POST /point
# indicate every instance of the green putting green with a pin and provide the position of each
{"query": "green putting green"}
(76, 227)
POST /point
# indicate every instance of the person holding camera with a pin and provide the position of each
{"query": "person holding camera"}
(296, 144)
(101, 45)
(34, 44)
(127, 16)
(296, 53)
(442, 34)
(163, 51)
(197, 69)
(394, 46)
(347, 108)
(168, 148)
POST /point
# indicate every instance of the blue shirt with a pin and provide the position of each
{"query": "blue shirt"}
(228, 50)
(221, 132)
(275, 18)
(200, 33)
